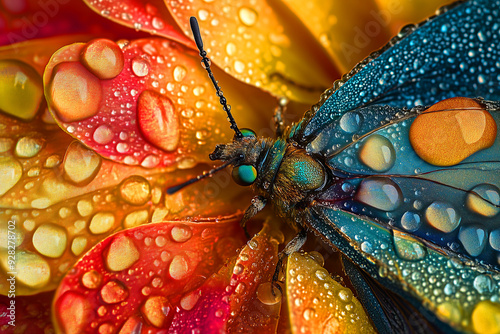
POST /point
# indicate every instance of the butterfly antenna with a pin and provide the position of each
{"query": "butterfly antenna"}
(174, 189)
(206, 64)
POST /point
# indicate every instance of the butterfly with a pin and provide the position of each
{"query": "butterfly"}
(398, 167)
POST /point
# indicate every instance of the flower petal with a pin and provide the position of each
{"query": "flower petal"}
(150, 16)
(159, 109)
(238, 298)
(26, 314)
(347, 33)
(319, 304)
(137, 278)
(261, 44)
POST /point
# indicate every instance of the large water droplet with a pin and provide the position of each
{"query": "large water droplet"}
(73, 92)
(473, 238)
(377, 153)
(91, 279)
(411, 221)
(485, 200)
(32, 270)
(350, 122)
(179, 73)
(135, 190)
(140, 66)
(442, 216)
(50, 240)
(21, 89)
(380, 193)
(102, 222)
(80, 164)
(179, 267)
(103, 58)
(28, 147)
(11, 173)
(407, 247)
(103, 134)
(158, 120)
(122, 253)
(181, 233)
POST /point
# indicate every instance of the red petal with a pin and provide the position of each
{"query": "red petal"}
(151, 16)
(29, 314)
(160, 110)
(138, 277)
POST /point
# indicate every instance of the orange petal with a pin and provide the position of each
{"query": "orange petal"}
(160, 110)
(318, 303)
(261, 44)
(138, 278)
(347, 33)
(150, 16)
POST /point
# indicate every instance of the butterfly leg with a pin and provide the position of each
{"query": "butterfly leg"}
(279, 121)
(293, 246)
(258, 203)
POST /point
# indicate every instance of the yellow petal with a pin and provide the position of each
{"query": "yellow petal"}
(261, 44)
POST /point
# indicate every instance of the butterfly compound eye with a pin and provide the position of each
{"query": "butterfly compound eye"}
(244, 175)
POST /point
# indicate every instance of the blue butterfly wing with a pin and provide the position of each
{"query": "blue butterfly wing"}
(387, 220)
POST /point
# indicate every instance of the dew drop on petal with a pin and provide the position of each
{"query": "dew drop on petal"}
(181, 233)
(122, 253)
(32, 270)
(179, 73)
(158, 120)
(102, 222)
(80, 164)
(247, 16)
(78, 245)
(103, 134)
(91, 279)
(268, 294)
(21, 89)
(73, 311)
(103, 58)
(188, 302)
(135, 190)
(28, 147)
(179, 267)
(11, 173)
(140, 66)
(73, 92)
(407, 248)
(50, 240)
(158, 311)
(114, 292)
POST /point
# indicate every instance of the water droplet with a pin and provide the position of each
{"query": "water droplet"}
(136, 218)
(239, 66)
(380, 193)
(473, 238)
(78, 245)
(114, 292)
(50, 240)
(103, 134)
(140, 66)
(230, 49)
(135, 190)
(179, 73)
(248, 16)
(483, 284)
(80, 164)
(484, 199)
(91, 279)
(28, 147)
(32, 270)
(345, 295)
(181, 233)
(74, 92)
(378, 153)
(407, 247)
(21, 89)
(157, 23)
(158, 120)
(102, 222)
(410, 221)
(189, 301)
(122, 253)
(350, 122)
(103, 58)
(11, 173)
(442, 216)
(179, 267)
